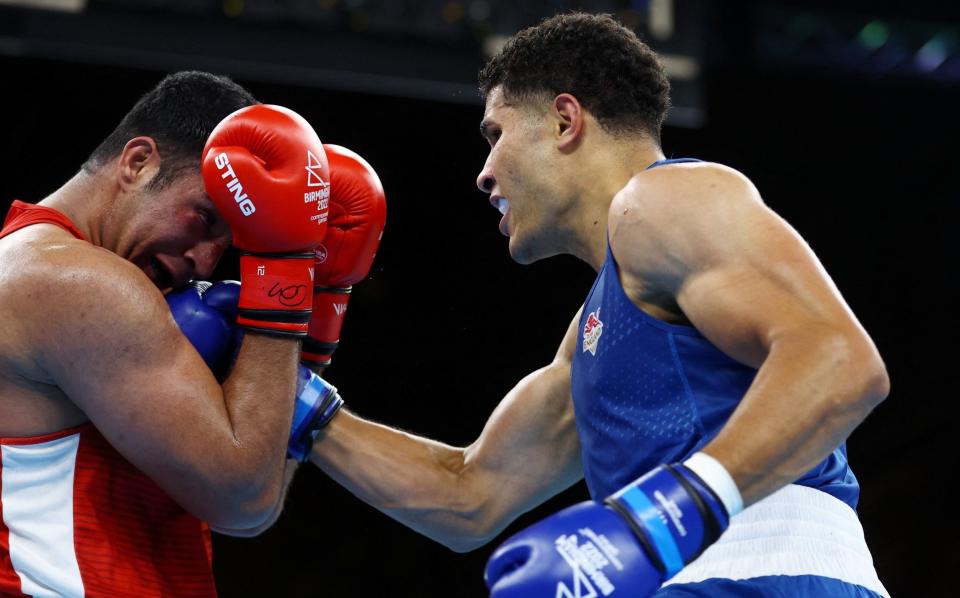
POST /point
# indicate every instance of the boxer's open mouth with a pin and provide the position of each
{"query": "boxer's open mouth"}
(160, 275)
(503, 206)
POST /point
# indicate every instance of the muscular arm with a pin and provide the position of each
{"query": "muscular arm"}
(289, 470)
(104, 335)
(463, 497)
(753, 287)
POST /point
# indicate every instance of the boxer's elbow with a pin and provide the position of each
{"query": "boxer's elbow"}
(249, 532)
(472, 531)
(243, 502)
(875, 380)
(240, 533)
(480, 518)
(469, 514)
(451, 524)
(260, 512)
(453, 502)
(858, 367)
(233, 512)
(467, 544)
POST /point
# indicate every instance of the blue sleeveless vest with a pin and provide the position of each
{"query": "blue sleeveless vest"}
(646, 392)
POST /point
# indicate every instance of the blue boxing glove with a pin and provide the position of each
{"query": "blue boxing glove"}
(206, 314)
(317, 403)
(626, 546)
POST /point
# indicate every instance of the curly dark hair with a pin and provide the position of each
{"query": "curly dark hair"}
(179, 114)
(613, 74)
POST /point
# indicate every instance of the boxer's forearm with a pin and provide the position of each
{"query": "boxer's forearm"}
(806, 399)
(259, 407)
(527, 452)
(421, 483)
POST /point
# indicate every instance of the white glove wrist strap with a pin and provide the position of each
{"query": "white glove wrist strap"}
(718, 478)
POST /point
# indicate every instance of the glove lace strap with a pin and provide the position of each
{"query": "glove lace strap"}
(713, 530)
(641, 535)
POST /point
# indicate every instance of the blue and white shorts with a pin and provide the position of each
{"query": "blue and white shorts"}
(799, 541)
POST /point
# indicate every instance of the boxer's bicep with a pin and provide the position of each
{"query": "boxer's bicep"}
(749, 298)
(108, 341)
(529, 449)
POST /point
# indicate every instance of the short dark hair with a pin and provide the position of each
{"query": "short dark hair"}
(179, 114)
(613, 74)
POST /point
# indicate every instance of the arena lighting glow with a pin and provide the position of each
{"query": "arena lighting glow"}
(59, 5)
(874, 35)
(935, 52)
(859, 43)
(232, 8)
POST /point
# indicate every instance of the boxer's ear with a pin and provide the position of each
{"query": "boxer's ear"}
(138, 163)
(569, 116)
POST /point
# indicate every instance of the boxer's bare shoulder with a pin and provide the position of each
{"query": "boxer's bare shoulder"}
(59, 294)
(699, 240)
(668, 219)
(673, 210)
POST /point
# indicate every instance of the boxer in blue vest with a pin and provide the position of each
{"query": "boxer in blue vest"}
(704, 390)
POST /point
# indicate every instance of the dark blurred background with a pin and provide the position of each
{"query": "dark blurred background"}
(845, 115)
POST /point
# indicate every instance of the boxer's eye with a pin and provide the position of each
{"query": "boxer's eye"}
(490, 133)
(207, 217)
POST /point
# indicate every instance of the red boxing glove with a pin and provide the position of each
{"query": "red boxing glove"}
(267, 173)
(358, 210)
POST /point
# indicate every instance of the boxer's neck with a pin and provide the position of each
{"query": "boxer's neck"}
(86, 199)
(604, 171)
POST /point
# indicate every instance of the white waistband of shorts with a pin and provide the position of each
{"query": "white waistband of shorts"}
(794, 531)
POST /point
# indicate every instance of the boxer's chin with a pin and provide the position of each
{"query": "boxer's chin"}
(521, 250)
(528, 246)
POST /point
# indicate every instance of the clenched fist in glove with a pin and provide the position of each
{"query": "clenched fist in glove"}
(265, 169)
(358, 210)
